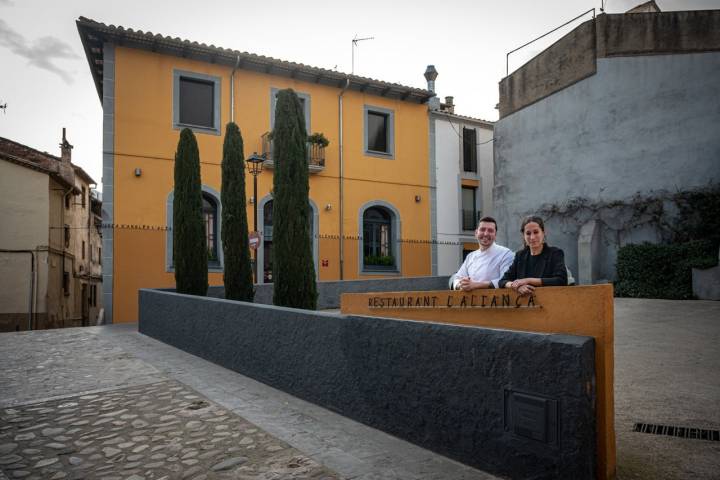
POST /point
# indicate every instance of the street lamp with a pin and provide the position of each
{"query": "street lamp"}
(255, 164)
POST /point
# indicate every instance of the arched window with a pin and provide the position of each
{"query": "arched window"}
(210, 217)
(378, 240)
(212, 212)
(268, 238)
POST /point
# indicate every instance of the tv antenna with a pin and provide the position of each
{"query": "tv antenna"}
(354, 45)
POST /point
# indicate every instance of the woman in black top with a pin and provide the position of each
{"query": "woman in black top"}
(538, 264)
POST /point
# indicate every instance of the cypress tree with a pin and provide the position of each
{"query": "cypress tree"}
(293, 269)
(238, 273)
(190, 253)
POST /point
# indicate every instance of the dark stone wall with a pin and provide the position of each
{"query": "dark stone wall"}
(565, 62)
(574, 57)
(658, 33)
(11, 322)
(329, 292)
(443, 387)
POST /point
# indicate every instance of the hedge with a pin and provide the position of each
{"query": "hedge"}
(662, 271)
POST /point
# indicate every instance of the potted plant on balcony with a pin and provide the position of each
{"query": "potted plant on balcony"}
(317, 143)
(318, 139)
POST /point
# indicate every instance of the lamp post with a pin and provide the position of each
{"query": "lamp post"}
(255, 164)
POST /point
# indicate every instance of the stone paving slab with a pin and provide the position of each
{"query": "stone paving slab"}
(157, 431)
(45, 364)
(86, 361)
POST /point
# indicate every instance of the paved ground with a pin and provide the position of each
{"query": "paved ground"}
(81, 374)
(667, 371)
(106, 402)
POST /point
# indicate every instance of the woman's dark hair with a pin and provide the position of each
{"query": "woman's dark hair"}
(532, 219)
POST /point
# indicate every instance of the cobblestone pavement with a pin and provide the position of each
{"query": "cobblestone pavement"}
(74, 378)
(50, 363)
(158, 431)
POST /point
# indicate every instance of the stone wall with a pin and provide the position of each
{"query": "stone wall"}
(460, 391)
(567, 61)
(329, 292)
(640, 126)
(574, 57)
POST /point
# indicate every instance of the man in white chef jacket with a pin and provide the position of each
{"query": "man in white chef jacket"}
(486, 265)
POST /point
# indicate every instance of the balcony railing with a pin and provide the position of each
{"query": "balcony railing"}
(315, 153)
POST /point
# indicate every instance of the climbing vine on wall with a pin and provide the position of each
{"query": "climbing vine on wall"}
(676, 216)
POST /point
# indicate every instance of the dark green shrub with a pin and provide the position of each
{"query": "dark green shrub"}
(662, 271)
(699, 215)
(293, 268)
(237, 274)
(190, 250)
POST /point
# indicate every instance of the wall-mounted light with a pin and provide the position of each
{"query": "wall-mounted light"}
(138, 172)
(252, 200)
(328, 207)
(418, 198)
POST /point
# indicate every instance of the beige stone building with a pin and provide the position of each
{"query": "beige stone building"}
(50, 271)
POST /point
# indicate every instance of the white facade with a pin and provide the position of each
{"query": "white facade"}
(457, 176)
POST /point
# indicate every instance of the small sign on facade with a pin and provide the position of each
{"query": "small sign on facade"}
(254, 240)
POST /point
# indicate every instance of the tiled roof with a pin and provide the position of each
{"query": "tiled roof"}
(84, 175)
(463, 117)
(94, 34)
(29, 154)
(28, 157)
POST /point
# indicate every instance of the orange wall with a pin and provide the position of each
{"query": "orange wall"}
(145, 138)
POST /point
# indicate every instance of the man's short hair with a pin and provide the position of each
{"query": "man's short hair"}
(488, 220)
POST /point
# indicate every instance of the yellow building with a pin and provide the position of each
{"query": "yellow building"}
(369, 189)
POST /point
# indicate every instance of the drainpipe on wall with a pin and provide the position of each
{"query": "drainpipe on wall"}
(232, 89)
(340, 179)
(32, 282)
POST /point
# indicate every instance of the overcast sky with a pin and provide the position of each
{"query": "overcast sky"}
(45, 79)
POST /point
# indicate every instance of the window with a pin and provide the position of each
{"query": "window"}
(304, 101)
(268, 238)
(210, 219)
(469, 150)
(67, 201)
(83, 201)
(211, 214)
(66, 230)
(469, 211)
(66, 283)
(378, 250)
(83, 249)
(196, 102)
(379, 132)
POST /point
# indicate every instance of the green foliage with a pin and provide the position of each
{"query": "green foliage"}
(383, 260)
(318, 138)
(699, 215)
(662, 271)
(237, 274)
(293, 269)
(190, 250)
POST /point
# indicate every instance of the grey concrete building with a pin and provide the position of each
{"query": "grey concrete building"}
(612, 118)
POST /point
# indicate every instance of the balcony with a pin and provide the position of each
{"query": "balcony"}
(315, 153)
